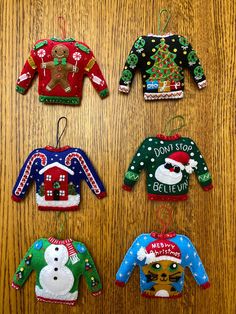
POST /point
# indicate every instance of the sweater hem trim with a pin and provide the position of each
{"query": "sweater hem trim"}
(15, 286)
(202, 84)
(167, 95)
(124, 89)
(68, 302)
(145, 295)
(167, 198)
(59, 100)
(58, 208)
(16, 199)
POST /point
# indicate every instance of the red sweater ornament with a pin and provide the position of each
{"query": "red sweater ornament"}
(61, 65)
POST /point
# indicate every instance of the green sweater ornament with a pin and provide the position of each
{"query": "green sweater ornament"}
(168, 161)
(58, 265)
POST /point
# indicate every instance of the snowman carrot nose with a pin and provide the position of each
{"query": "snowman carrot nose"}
(171, 169)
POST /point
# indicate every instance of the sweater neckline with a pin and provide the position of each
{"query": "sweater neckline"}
(70, 39)
(168, 137)
(57, 149)
(164, 35)
(168, 235)
(57, 241)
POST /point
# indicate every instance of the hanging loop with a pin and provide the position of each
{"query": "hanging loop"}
(62, 26)
(168, 17)
(168, 131)
(162, 213)
(58, 138)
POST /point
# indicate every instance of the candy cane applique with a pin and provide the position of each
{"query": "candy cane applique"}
(85, 167)
(27, 171)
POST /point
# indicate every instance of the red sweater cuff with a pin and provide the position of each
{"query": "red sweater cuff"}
(206, 285)
(120, 283)
(207, 187)
(15, 286)
(97, 293)
(101, 195)
(16, 198)
(127, 187)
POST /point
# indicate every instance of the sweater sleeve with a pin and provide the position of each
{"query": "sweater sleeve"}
(28, 72)
(93, 71)
(137, 164)
(131, 64)
(201, 169)
(27, 174)
(90, 272)
(24, 269)
(194, 263)
(129, 262)
(192, 62)
(89, 174)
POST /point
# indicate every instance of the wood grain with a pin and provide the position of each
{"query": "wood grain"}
(110, 131)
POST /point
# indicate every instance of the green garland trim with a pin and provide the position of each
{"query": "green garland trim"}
(63, 40)
(60, 100)
(104, 93)
(82, 47)
(204, 177)
(132, 176)
(20, 89)
(40, 44)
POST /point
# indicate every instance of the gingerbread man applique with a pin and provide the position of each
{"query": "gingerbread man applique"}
(59, 68)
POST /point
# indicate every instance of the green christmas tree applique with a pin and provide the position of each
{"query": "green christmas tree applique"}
(164, 68)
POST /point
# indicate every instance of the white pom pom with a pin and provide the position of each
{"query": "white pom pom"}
(191, 165)
(141, 255)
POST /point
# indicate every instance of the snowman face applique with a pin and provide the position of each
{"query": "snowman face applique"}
(169, 174)
(56, 278)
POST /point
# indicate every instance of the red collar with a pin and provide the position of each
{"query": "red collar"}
(168, 138)
(163, 235)
(56, 241)
(59, 149)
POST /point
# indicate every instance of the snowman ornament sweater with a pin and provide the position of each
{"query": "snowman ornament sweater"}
(61, 66)
(161, 60)
(58, 173)
(168, 161)
(162, 259)
(58, 265)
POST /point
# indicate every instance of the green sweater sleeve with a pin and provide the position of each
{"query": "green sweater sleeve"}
(24, 269)
(90, 273)
(131, 64)
(137, 164)
(201, 170)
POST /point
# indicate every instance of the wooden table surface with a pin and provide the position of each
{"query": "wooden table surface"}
(109, 131)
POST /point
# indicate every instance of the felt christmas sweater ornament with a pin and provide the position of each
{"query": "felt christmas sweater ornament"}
(58, 265)
(58, 173)
(168, 162)
(162, 259)
(61, 66)
(161, 60)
